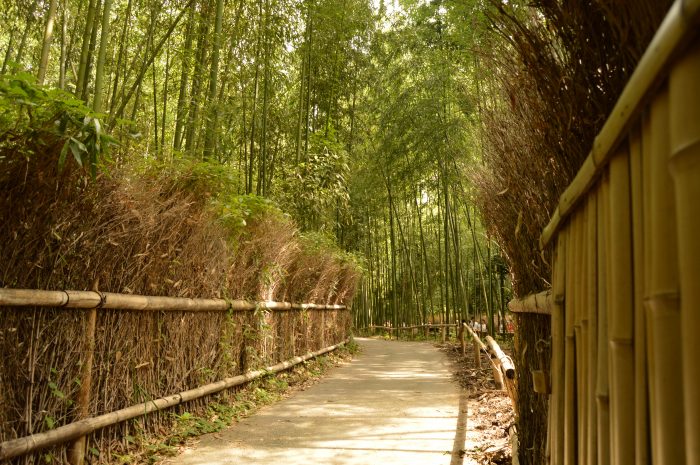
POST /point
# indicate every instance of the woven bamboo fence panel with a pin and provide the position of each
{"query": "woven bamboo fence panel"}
(625, 238)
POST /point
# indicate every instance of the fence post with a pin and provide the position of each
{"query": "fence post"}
(76, 450)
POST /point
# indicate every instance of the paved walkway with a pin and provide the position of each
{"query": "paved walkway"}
(394, 404)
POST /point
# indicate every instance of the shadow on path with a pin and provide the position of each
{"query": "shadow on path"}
(395, 403)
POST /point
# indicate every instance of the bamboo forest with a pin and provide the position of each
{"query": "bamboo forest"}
(202, 196)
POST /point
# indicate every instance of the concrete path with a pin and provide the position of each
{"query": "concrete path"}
(394, 404)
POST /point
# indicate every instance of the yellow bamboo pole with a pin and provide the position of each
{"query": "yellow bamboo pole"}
(592, 328)
(533, 303)
(111, 300)
(582, 337)
(62, 434)
(684, 84)
(76, 451)
(570, 354)
(641, 394)
(621, 330)
(504, 362)
(556, 424)
(602, 365)
(663, 309)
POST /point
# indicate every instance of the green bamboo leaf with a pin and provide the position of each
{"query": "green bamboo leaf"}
(77, 153)
(62, 157)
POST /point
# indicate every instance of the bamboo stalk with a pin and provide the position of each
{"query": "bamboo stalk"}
(677, 27)
(76, 451)
(685, 169)
(663, 306)
(504, 361)
(533, 303)
(93, 299)
(641, 394)
(556, 425)
(602, 390)
(621, 330)
(569, 425)
(591, 327)
(25, 445)
(581, 332)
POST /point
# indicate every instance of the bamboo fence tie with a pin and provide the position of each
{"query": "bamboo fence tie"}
(684, 121)
(62, 434)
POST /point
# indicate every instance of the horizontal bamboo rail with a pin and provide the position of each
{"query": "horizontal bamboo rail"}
(505, 362)
(500, 363)
(95, 299)
(394, 328)
(678, 27)
(62, 434)
(534, 303)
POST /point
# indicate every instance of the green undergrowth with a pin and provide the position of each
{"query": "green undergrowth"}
(230, 407)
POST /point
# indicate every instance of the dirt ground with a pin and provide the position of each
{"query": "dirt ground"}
(490, 412)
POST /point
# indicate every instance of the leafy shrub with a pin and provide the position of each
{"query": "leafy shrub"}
(35, 121)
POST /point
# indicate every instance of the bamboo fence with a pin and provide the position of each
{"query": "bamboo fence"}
(92, 302)
(624, 236)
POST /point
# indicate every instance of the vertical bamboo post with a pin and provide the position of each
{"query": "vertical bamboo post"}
(684, 86)
(621, 330)
(592, 328)
(570, 354)
(602, 391)
(663, 310)
(641, 395)
(477, 353)
(76, 450)
(556, 424)
(580, 339)
(498, 377)
(323, 329)
(461, 339)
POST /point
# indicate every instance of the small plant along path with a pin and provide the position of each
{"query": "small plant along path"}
(395, 403)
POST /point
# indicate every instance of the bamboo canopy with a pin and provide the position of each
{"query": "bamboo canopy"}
(96, 299)
(21, 446)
